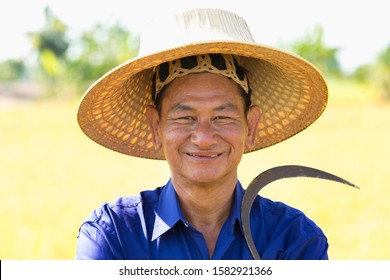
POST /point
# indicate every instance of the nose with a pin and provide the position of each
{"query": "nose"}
(204, 135)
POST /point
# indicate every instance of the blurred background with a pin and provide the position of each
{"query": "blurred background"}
(52, 176)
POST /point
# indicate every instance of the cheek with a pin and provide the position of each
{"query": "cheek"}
(237, 136)
(172, 138)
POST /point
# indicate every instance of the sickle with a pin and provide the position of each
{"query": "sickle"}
(268, 176)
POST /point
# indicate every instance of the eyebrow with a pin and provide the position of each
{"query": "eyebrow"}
(229, 106)
(181, 107)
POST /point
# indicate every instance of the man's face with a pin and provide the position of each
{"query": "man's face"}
(202, 128)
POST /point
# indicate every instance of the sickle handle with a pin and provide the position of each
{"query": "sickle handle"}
(271, 175)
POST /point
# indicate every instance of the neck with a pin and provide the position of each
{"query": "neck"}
(206, 207)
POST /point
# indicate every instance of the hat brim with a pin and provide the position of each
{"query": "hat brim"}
(290, 91)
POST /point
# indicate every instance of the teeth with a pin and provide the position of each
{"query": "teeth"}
(212, 156)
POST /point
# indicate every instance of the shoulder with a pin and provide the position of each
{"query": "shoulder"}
(288, 233)
(124, 208)
(278, 215)
(118, 230)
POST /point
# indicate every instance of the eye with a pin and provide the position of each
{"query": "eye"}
(184, 119)
(222, 119)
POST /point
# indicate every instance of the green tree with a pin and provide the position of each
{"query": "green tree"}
(313, 48)
(12, 70)
(362, 73)
(100, 49)
(51, 45)
(381, 73)
(69, 65)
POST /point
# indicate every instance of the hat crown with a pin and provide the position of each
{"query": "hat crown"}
(191, 27)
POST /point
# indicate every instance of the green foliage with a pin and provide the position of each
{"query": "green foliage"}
(362, 73)
(381, 73)
(50, 46)
(70, 64)
(52, 37)
(98, 50)
(50, 63)
(313, 48)
(377, 73)
(12, 70)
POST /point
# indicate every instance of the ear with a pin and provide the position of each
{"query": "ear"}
(253, 119)
(154, 121)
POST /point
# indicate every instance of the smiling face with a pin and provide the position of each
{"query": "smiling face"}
(203, 128)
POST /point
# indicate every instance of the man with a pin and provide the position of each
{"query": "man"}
(208, 95)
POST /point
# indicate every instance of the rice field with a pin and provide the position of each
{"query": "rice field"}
(52, 176)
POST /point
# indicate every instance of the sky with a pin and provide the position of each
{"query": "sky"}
(360, 29)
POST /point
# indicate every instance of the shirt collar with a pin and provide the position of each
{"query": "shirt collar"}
(235, 214)
(168, 211)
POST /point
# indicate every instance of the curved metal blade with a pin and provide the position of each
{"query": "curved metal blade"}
(271, 175)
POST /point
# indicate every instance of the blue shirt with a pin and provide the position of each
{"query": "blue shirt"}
(152, 226)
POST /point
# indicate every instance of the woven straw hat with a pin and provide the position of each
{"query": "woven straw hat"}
(291, 93)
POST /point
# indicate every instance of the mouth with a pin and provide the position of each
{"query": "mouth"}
(204, 156)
